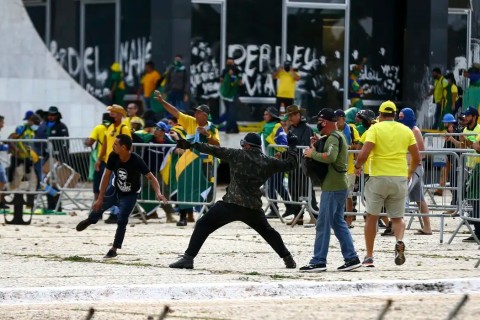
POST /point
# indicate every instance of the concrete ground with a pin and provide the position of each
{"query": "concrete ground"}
(51, 254)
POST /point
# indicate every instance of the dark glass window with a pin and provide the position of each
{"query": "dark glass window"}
(38, 16)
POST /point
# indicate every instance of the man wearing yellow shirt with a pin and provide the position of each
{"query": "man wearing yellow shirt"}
(439, 85)
(148, 84)
(286, 78)
(198, 129)
(98, 136)
(388, 142)
(113, 130)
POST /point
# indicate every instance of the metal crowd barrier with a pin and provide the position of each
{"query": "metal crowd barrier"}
(436, 141)
(294, 189)
(469, 210)
(187, 178)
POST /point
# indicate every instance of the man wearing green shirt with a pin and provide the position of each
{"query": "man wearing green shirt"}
(332, 200)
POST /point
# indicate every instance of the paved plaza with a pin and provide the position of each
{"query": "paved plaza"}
(50, 271)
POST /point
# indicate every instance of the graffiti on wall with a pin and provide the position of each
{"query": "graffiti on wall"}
(204, 71)
(132, 57)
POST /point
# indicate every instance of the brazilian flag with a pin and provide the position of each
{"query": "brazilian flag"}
(192, 184)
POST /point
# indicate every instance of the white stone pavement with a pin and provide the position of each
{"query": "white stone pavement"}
(49, 262)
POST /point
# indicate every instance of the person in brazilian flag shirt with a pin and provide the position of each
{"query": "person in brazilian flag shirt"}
(194, 170)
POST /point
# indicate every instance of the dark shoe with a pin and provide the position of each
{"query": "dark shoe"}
(185, 262)
(399, 253)
(110, 254)
(112, 219)
(289, 262)
(182, 223)
(469, 239)
(388, 232)
(368, 262)
(314, 267)
(350, 265)
(82, 225)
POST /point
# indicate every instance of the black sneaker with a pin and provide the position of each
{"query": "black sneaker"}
(399, 253)
(289, 262)
(110, 254)
(271, 214)
(112, 219)
(185, 262)
(182, 223)
(350, 265)
(320, 267)
(82, 225)
(469, 239)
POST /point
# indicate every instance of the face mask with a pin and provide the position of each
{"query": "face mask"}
(320, 127)
(34, 127)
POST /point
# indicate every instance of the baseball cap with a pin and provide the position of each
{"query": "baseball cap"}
(327, 114)
(28, 114)
(339, 113)
(471, 111)
(252, 139)
(162, 126)
(387, 107)
(203, 108)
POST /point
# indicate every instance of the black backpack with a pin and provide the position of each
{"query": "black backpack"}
(315, 170)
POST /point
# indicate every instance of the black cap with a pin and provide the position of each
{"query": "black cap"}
(327, 114)
(253, 139)
(203, 108)
(339, 113)
(471, 111)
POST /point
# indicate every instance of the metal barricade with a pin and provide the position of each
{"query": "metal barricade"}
(470, 194)
(186, 177)
(71, 171)
(436, 141)
(294, 189)
(22, 166)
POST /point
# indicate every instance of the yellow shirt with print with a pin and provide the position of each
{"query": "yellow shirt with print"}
(285, 85)
(438, 88)
(149, 82)
(111, 134)
(190, 126)
(98, 134)
(389, 155)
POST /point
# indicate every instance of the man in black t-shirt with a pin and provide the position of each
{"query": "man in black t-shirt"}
(127, 167)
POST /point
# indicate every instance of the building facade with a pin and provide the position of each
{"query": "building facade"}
(402, 42)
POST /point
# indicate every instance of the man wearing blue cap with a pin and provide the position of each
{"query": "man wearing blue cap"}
(249, 170)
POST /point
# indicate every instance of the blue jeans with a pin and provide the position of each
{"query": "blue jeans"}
(125, 203)
(330, 216)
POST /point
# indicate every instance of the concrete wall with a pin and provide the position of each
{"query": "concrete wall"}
(31, 79)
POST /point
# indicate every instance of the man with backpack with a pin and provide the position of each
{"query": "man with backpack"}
(333, 182)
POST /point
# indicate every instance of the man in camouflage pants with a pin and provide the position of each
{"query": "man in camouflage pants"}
(249, 169)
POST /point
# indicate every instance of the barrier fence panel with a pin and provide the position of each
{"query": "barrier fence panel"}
(470, 195)
(21, 162)
(444, 140)
(186, 177)
(293, 189)
(72, 171)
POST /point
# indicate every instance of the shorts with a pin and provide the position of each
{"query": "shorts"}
(415, 189)
(3, 175)
(351, 178)
(387, 191)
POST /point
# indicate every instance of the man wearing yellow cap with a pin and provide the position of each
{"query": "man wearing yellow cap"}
(387, 143)
(117, 113)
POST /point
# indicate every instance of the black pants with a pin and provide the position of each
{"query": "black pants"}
(223, 213)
